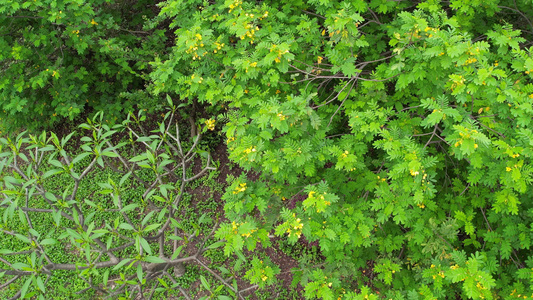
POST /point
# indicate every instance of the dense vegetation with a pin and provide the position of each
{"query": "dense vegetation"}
(395, 135)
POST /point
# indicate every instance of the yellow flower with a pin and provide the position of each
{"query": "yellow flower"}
(210, 124)
(93, 22)
(240, 188)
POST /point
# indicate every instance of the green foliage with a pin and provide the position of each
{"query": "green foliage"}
(396, 135)
(60, 58)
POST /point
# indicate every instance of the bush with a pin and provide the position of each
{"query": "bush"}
(395, 135)
(60, 58)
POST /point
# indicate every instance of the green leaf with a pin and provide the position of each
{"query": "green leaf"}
(216, 245)
(129, 207)
(24, 289)
(145, 246)
(126, 226)
(154, 259)
(139, 272)
(109, 154)
(121, 263)
(176, 253)
(48, 241)
(205, 283)
(52, 172)
(105, 277)
(23, 238)
(40, 284)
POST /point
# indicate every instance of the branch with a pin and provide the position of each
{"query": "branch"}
(9, 281)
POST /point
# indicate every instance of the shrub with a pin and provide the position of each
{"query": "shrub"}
(395, 134)
(60, 58)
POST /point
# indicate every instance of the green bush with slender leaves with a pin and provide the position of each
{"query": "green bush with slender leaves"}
(110, 221)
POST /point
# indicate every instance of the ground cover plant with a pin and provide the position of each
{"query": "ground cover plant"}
(394, 136)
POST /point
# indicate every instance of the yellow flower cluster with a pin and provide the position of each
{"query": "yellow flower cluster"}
(236, 4)
(252, 65)
(240, 188)
(210, 124)
(248, 234)
(218, 46)
(229, 140)
(485, 108)
(263, 276)
(250, 150)
(434, 30)
(281, 116)
(470, 61)
(280, 52)
(193, 48)
(345, 154)
(250, 30)
(200, 80)
(441, 274)
(276, 191)
(235, 227)
(458, 82)
(509, 169)
(465, 136)
(320, 197)
(520, 295)
(296, 227)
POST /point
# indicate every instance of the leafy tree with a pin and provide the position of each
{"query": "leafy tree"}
(395, 134)
(127, 242)
(60, 58)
